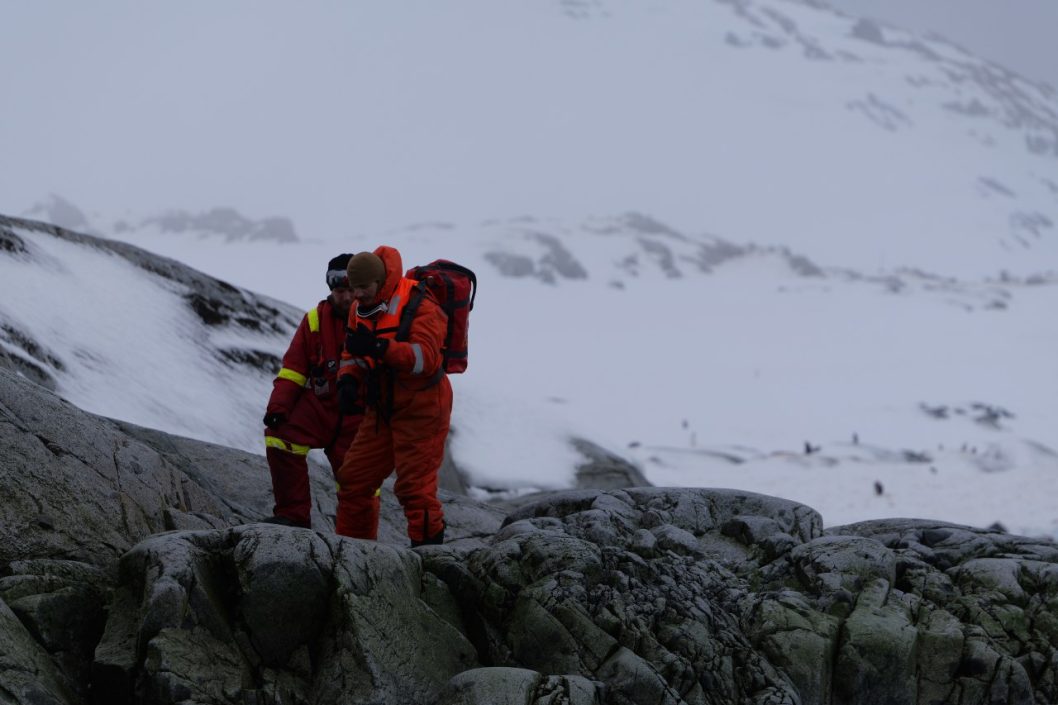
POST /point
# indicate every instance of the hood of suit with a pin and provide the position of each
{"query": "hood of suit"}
(390, 257)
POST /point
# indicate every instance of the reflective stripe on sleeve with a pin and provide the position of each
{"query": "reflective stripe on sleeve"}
(314, 320)
(417, 349)
(295, 448)
(295, 377)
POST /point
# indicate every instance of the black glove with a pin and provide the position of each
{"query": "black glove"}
(349, 396)
(363, 342)
(274, 420)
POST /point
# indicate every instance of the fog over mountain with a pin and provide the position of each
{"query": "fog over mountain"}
(764, 121)
(1018, 35)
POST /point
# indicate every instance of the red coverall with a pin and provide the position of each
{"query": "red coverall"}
(304, 392)
(405, 430)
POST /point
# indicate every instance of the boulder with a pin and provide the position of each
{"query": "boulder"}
(28, 676)
(517, 686)
(264, 613)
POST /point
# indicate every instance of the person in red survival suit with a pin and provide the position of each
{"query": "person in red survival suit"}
(303, 411)
(393, 365)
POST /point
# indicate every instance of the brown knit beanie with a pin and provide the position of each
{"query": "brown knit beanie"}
(364, 268)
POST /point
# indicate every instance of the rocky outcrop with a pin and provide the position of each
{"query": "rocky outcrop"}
(80, 490)
(267, 614)
(625, 596)
(133, 570)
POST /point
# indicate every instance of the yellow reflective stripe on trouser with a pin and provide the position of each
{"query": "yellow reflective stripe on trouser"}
(295, 377)
(295, 448)
(314, 320)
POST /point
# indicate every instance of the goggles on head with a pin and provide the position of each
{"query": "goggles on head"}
(369, 312)
(337, 278)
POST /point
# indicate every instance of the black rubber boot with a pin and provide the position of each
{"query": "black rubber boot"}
(435, 540)
(282, 521)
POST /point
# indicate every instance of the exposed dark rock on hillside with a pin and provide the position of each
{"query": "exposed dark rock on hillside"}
(224, 222)
(227, 223)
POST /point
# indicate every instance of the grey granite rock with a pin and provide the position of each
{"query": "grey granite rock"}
(517, 686)
(132, 570)
(28, 676)
(62, 604)
(705, 610)
(269, 613)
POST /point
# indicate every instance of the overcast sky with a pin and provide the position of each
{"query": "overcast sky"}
(156, 105)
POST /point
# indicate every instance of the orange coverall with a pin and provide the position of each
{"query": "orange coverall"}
(406, 419)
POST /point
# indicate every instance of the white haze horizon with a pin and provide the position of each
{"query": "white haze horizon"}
(351, 118)
(919, 181)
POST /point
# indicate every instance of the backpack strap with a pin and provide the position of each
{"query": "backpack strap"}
(418, 293)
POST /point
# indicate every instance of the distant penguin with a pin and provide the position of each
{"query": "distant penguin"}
(878, 489)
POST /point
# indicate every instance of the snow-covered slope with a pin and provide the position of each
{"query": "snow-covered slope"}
(705, 362)
(713, 364)
(124, 333)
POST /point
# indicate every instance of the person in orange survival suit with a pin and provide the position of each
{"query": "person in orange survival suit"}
(393, 365)
(303, 411)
